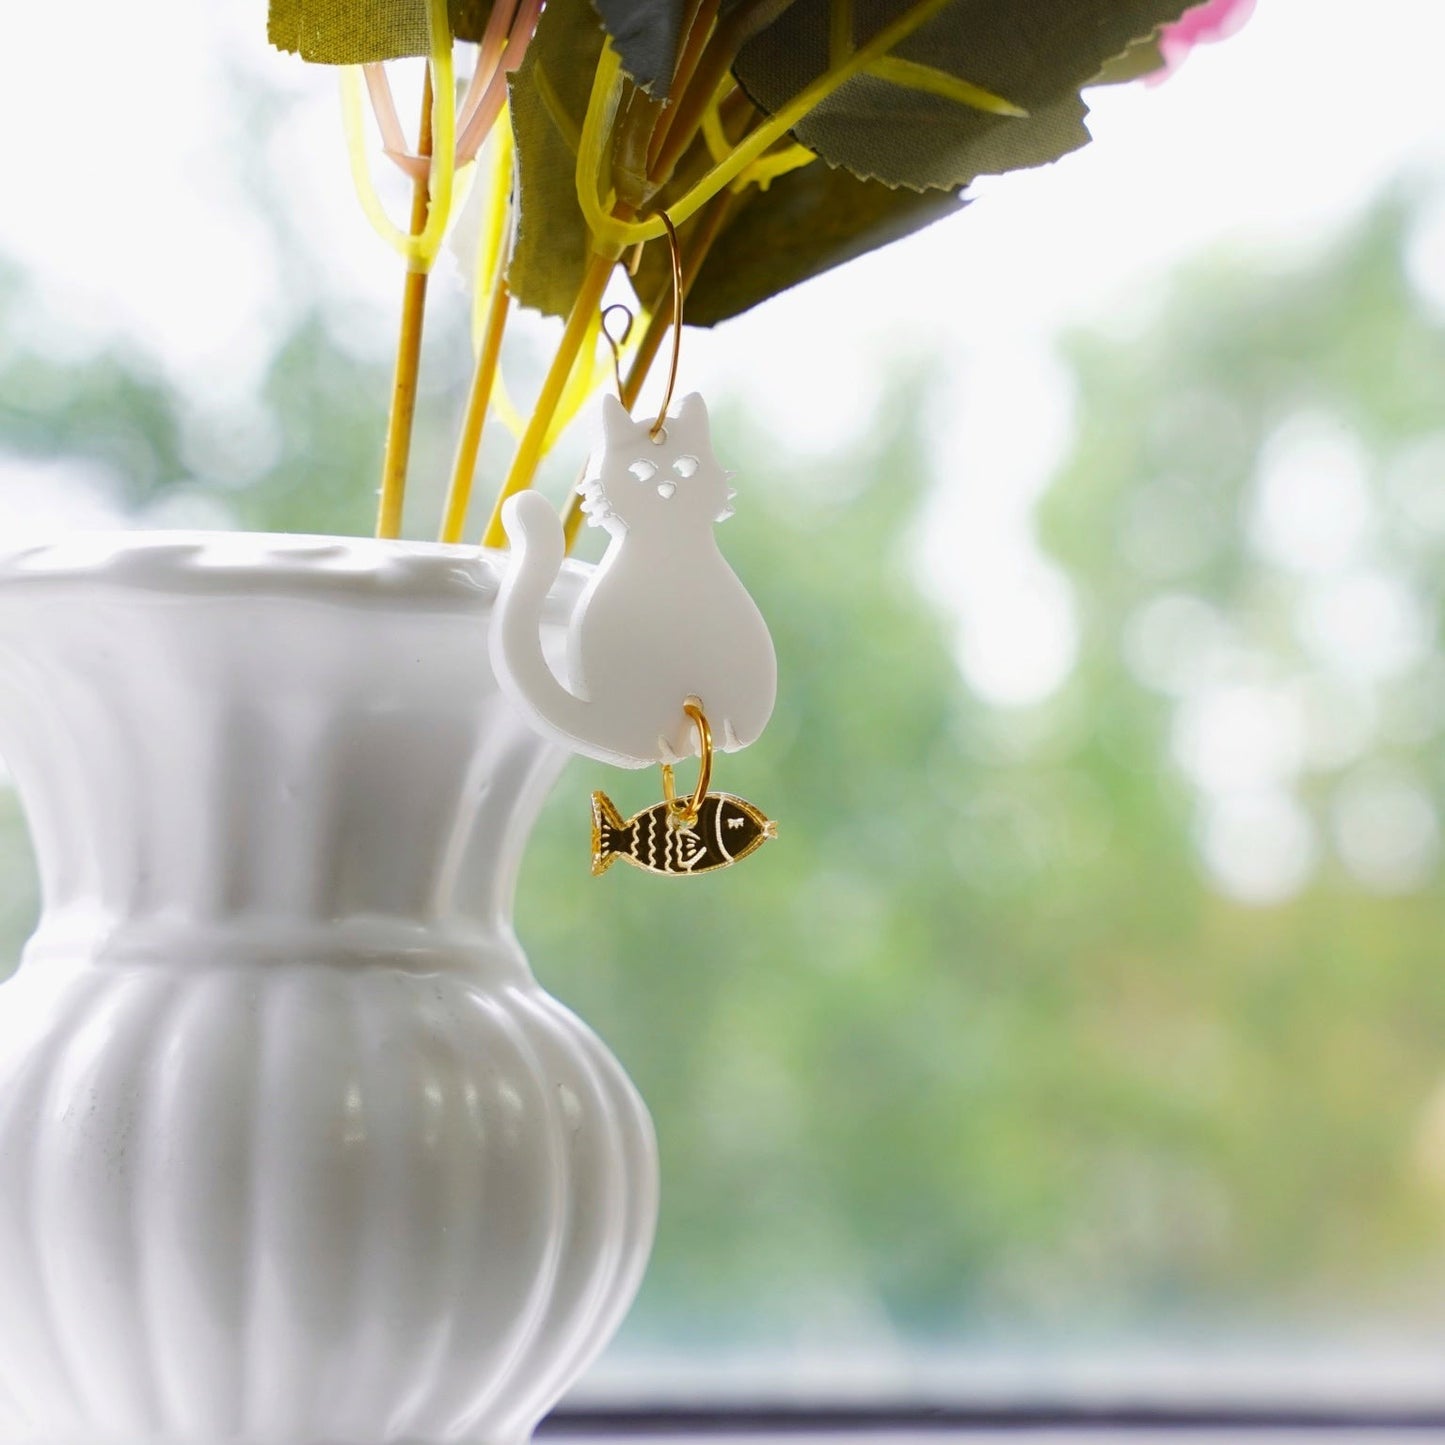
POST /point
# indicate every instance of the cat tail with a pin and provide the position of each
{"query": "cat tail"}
(608, 832)
(535, 532)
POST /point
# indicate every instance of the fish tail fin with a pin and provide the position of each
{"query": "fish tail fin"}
(607, 824)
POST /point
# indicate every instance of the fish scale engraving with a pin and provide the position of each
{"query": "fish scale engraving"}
(726, 830)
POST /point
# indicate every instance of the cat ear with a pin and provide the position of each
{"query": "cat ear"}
(617, 426)
(693, 412)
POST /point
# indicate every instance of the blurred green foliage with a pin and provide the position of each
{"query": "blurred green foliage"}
(977, 1050)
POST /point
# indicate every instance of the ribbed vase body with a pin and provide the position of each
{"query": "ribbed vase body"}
(293, 1149)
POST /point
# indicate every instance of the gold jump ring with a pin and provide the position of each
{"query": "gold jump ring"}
(687, 812)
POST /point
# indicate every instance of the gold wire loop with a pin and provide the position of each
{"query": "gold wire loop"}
(674, 246)
(686, 813)
(617, 342)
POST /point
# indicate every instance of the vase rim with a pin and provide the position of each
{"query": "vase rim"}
(434, 576)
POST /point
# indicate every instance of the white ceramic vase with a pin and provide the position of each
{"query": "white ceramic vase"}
(293, 1148)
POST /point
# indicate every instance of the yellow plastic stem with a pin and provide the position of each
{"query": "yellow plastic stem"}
(408, 356)
(581, 383)
(586, 372)
(763, 171)
(418, 248)
(507, 412)
(593, 157)
(584, 378)
(914, 76)
(713, 134)
(580, 324)
(766, 169)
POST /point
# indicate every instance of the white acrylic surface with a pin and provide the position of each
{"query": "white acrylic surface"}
(664, 617)
(293, 1148)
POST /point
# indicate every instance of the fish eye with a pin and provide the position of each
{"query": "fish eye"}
(685, 466)
(643, 470)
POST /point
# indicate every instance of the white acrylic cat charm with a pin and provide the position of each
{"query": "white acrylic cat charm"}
(664, 617)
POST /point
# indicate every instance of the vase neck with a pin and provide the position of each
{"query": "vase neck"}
(262, 769)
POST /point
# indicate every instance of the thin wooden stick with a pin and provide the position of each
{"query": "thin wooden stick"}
(408, 350)
(534, 438)
(459, 493)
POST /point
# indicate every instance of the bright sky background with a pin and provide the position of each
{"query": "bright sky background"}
(124, 196)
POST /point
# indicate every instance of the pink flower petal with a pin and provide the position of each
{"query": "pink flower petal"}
(1203, 24)
(1214, 20)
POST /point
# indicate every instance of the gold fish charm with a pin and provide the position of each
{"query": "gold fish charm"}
(679, 837)
(722, 831)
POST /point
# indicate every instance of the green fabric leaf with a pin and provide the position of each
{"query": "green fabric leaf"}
(549, 100)
(646, 35)
(356, 32)
(1143, 57)
(469, 18)
(900, 124)
(805, 223)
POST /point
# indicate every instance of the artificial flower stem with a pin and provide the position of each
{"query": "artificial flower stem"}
(534, 438)
(686, 118)
(408, 350)
(489, 53)
(383, 107)
(707, 72)
(459, 493)
(488, 103)
(687, 63)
